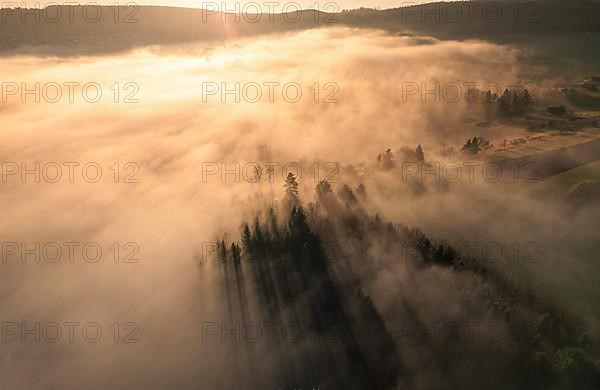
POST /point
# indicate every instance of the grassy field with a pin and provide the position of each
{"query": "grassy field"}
(587, 114)
(584, 96)
(534, 143)
(578, 186)
(586, 92)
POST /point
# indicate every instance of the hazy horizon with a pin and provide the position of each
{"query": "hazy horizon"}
(241, 5)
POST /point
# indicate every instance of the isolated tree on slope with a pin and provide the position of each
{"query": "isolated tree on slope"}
(505, 103)
(420, 155)
(291, 186)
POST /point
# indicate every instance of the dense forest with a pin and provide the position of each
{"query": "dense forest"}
(319, 264)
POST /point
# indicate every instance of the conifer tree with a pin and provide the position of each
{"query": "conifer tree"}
(247, 239)
(420, 155)
(291, 189)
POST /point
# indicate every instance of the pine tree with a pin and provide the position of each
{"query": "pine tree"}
(420, 155)
(388, 161)
(298, 226)
(291, 186)
(222, 251)
(236, 253)
(323, 190)
(276, 235)
(257, 234)
(259, 239)
(488, 97)
(505, 103)
(247, 239)
(347, 196)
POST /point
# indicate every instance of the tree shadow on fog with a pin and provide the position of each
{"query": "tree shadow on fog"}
(344, 342)
(310, 264)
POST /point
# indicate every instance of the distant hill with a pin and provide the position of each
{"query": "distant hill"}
(120, 28)
(107, 28)
(485, 19)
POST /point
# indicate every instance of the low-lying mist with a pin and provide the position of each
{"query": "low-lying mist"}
(160, 148)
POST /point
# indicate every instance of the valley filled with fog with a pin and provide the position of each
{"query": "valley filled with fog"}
(164, 163)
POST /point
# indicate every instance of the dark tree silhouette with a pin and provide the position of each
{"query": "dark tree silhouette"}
(514, 102)
(386, 160)
(295, 282)
(323, 190)
(476, 145)
(291, 186)
(505, 103)
(236, 253)
(420, 155)
(347, 196)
